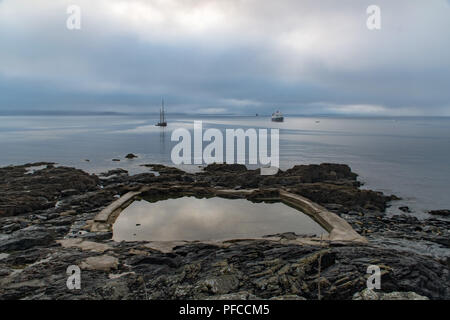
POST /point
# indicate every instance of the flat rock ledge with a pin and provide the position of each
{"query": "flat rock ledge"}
(48, 222)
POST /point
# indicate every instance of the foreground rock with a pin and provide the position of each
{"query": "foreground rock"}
(368, 294)
(47, 215)
(26, 238)
(248, 269)
(24, 192)
(444, 213)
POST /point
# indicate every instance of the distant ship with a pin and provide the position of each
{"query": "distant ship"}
(277, 117)
(162, 117)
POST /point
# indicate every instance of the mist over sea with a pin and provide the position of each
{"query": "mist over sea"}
(408, 157)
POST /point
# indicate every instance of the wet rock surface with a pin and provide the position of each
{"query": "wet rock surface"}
(368, 294)
(252, 269)
(46, 215)
(444, 213)
(24, 192)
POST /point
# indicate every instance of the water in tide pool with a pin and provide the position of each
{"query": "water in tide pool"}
(189, 218)
(408, 157)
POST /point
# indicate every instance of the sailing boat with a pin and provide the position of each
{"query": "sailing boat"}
(162, 117)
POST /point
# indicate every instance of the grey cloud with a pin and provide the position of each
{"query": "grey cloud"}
(301, 56)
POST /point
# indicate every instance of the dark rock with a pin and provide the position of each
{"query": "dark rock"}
(215, 167)
(26, 238)
(10, 227)
(24, 193)
(164, 170)
(334, 206)
(69, 192)
(24, 257)
(444, 213)
(59, 230)
(320, 173)
(5, 271)
(173, 263)
(412, 253)
(63, 221)
(368, 294)
(96, 236)
(114, 172)
(347, 196)
(130, 156)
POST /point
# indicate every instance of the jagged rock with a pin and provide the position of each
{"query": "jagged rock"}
(24, 193)
(444, 213)
(114, 172)
(368, 294)
(412, 253)
(288, 297)
(219, 285)
(346, 196)
(225, 168)
(243, 295)
(26, 238)
(405, 209)
(321, 173)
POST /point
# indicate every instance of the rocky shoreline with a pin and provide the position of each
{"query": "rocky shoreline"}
(46, 216)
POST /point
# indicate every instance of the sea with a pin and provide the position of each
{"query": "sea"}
(408, 157)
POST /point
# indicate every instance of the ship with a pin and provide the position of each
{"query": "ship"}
(162, 117)
(277, 117)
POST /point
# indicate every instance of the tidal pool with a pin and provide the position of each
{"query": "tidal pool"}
(189, 218)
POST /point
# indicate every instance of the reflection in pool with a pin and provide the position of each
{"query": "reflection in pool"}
(190, 218)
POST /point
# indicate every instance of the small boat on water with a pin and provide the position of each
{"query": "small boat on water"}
(162, 117)
(277, 117)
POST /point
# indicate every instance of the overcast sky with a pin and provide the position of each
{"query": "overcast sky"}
(226, 56)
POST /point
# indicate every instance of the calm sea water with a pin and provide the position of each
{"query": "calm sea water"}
(408, 157)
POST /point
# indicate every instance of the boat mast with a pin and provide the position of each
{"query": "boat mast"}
(163, 116)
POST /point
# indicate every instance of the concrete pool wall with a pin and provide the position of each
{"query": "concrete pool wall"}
(339, 230)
